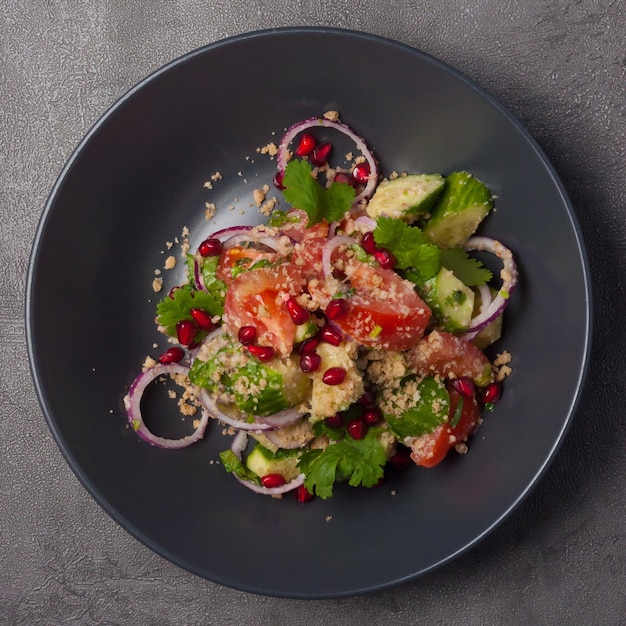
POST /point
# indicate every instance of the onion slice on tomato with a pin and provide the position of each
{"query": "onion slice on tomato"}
(508, 275)
(132, 403)
(237, 447)
(316, 122)
(329, 247)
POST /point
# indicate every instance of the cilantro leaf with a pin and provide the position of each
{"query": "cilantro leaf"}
(468, 270)
(409, 246)
(232, 464)
(176, 307)
(360, 462)
(304, 192)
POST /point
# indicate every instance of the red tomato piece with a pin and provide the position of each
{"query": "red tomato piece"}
(243, 256)
(257, 298)
(385, 311)
(430, 449)
(296, 227)
(448, 355)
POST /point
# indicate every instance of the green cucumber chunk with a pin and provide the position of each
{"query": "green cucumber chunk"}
(407, 197)
(463, 204)
(262, 462)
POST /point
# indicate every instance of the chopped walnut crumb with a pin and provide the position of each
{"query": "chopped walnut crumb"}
(209, 210)
(259, 196)
(216, 176)
(271, 149)
(461, 448)
(332, 116)
(170, 263)
(157, 285)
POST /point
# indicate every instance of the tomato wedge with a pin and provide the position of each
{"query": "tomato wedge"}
(257, 298)
(243, 258)
(430, 449)
(448, 355)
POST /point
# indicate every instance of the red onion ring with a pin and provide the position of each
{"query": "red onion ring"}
(366, 221)
(231, 231)
(211, 406)
(329, 247)
(315, 122)
(237, 447)
(508, 275)
(198, 279)
(285, 417)
(132, 403)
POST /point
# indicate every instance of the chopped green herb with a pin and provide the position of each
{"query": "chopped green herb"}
(177, 306)
(467, 269)
(232, 464)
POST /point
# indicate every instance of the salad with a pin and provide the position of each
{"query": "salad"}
(346, 335)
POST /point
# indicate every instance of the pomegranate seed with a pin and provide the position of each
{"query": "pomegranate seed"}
(361, 173)
(342, 177)
(334, 376)
(334, 421)
(202, 319)
(263, 353)
(321, 153)
(298, 313)
(246, 335)
(337, 308)
(356, 429)
(401, 459)
(310, 362)
(368, 243)
(371, 416)
(309, 345)
(464, 386)
(330, 335)
(273, 480)
(278, 180)
(172, 355)
(385, 258)
(303, 494)
(186, 332)
(366, 399)
(306, 146)
(491, 393)
(210, 247)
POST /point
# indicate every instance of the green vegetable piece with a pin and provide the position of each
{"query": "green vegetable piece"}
(360, 462)
(304, 192)
(232, 464)
(263, 461)
(422, 405)
(464, 203)
(176, 307)
(467, 269)
(407, 197)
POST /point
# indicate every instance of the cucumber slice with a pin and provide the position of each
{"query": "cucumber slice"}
(490, 333)
(463, 204)
(451, 302)
(263, 462)
(305, 331)
(406, 198)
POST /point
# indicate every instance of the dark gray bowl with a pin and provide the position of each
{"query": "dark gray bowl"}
(137, 179)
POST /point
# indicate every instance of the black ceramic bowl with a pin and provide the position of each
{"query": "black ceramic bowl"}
(138, 178)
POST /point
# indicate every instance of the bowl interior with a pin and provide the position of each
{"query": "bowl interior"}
(139, 177)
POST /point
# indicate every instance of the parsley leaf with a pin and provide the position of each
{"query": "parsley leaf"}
(409, 246)
(232, 464)
(303, 192)
(172, 309)
(468, 270)
(360, 462)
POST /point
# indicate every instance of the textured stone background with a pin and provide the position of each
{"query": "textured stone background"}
(560, 67)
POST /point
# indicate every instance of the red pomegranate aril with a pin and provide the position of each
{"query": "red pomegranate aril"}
(246, 335)
(401, 459)
(334, 421)
(210, 247)
(385, 259)
(306, 146)
(356, 429)
(299, 315)
(368, 243)
(371, 416)
(263, 353)
(336, 309)
(270, 481)
(202, 319)
(186, 332)
(309, 345)
(491, 393)
(361, 173)
(330, 335)
(321, 153)
(303, 494)
(310, 362)
(366, 399)
(334, 376)
(342, 177)
(172, 355)
(464, 385)
(278, 181)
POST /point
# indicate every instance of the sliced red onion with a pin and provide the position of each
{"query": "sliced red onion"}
(315, 122)
(197, 273)
(366, 221)
(237, 447)
(132, 402)
(282, 418)
(509, 281)
(211, 406)
(231, 231)
(329, 247)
